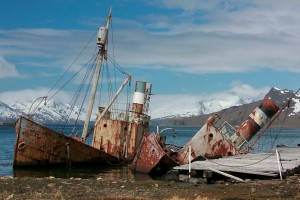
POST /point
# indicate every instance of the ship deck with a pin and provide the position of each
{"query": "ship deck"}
(261, 164)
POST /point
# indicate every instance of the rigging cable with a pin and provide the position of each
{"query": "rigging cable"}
(80, 88)
(281, 127)
(76, 58)
(112, 60)
(100, 89)
(69, 67)
(271, 122)
(89, 84)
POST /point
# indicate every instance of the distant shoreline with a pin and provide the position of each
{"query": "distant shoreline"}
(7, 124)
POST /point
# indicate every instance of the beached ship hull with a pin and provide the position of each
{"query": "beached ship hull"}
(214, 140)
(153, 156)
(218, 139)
(37, 145)
(116, 137)
(116, 133)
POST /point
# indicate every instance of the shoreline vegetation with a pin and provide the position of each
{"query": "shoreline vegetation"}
(104, 188)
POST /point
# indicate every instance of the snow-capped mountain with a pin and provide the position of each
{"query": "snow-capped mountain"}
(280, 97)
(50, 113)
(229, 107)
(210, 106)
(55, 112)
(7, 114)
(217, 105)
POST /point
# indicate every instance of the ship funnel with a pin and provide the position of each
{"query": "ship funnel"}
(141, 98)
(256, 120)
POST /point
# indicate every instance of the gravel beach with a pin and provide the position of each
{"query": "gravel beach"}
(102, 188)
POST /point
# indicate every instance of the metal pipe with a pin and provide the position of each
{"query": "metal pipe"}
(108, 106)
(190, 160)
(42, 98)
(279, 164)
(270, 123)
(96, 79)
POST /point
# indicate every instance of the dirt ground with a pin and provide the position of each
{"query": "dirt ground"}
(100, 188)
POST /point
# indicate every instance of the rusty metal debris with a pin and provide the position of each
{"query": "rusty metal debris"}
(38, 145)
(214, 140)
(115, 139)
(116, 134)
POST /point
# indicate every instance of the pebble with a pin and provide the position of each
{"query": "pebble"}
(50, 185)
(6, 177)
(248, 180)
(10, 197)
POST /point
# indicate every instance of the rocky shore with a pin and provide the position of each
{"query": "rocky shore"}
(102, 188)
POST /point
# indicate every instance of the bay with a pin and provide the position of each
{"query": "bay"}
(272, 138)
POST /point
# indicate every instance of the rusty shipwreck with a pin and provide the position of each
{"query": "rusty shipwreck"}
(116, 133)
(215, 139)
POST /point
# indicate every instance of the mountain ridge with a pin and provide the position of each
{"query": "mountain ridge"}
(235, 115)
(234, 111)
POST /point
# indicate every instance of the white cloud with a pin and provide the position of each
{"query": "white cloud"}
(29, 95)
(7, 69)
(44, 47)
(236, 36)
(201, 37)
(246, 91)
(166, 105)
(43, 32)
(160, 104)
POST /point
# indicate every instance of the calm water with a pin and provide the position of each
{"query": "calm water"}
(288, 137)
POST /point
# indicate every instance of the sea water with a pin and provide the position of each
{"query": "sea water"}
(272, 138)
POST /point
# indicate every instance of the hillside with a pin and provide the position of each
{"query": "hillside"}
(235, 115)
(55, 113)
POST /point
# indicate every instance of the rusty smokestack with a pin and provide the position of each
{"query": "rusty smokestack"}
(141, 97)
(256, 120)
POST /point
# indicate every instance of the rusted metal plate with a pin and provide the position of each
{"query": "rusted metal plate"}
(118, 138)
(138, 109)
(39, 145)
(151, 156)
(212, 142)
(269, 107)
(208, 142)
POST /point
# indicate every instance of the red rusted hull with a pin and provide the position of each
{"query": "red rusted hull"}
(152, 157)
(118, 133)
(256, 120)
(216, 140)
(208, 142)
(38, 145)
(118, 138)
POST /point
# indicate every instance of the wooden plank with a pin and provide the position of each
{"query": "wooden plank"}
(261, 164)
(227, 175)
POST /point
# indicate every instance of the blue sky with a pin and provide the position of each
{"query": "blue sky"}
(191, 51)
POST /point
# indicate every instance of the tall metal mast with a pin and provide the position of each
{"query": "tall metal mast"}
(101, 41)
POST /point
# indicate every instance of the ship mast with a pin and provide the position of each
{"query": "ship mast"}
(101, 42)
